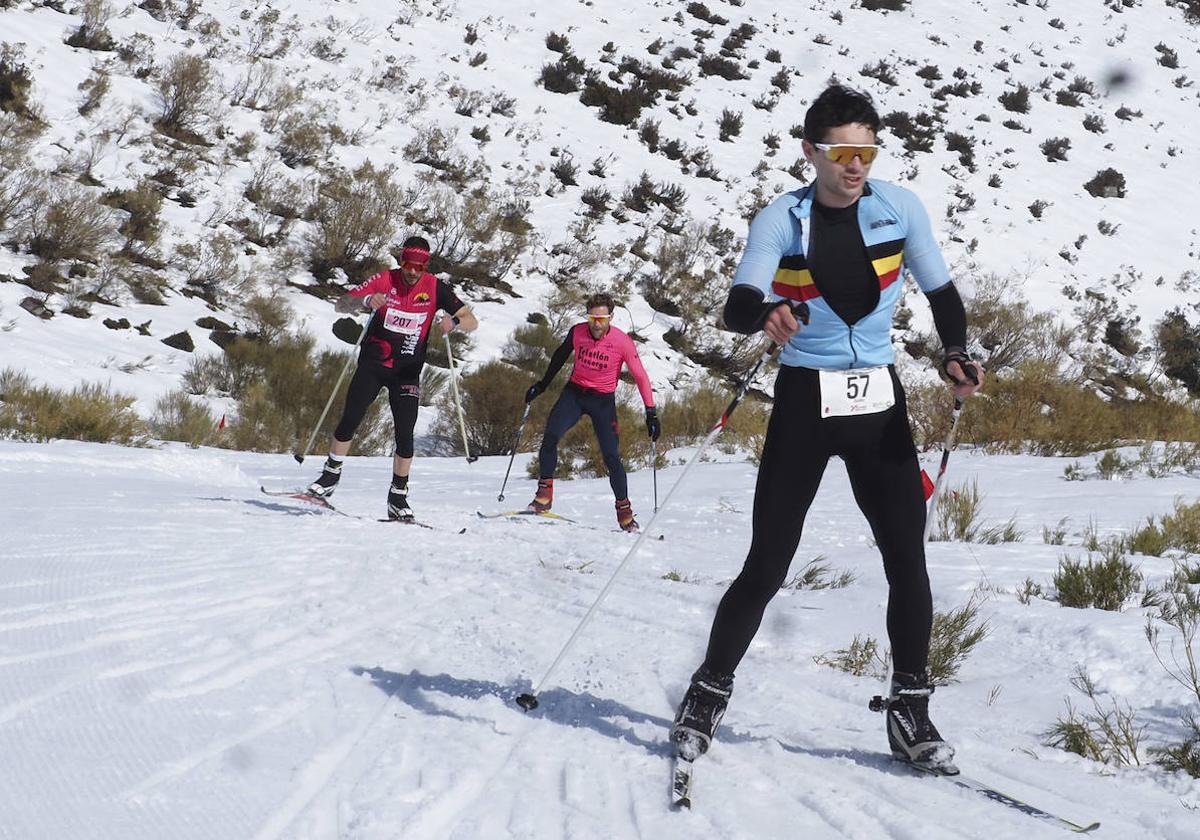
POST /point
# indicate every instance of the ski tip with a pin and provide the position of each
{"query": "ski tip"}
(299, 458)
(1084, 829)
(684, 804)
(462, 531)
(527, 702)
(472, 459)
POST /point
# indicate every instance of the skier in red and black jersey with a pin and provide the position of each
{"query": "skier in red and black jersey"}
(403, 302)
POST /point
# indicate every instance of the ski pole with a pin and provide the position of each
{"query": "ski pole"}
(947, 445)
(516, 443)
(462, 423)
(529, 701)
(299, 456)
(654, 470)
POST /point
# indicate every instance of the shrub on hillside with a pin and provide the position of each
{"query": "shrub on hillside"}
(93, 33)
(280, 388)
(66, 223)
(16, 83)
(861, 658)
(1107, 183)
(354, 220)
(143, 227)
(1179, 349)
(563, 76)
(492, 403)
(185, 92)
(177, 416)
(1105, 584)
(93, 413)
(622, 106)
(729, 125)
(1016, 100)
(715, 65)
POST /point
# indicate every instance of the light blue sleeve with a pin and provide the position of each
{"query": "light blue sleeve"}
(922, 256)
(771, 234)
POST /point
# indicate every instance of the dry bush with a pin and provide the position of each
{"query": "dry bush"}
(16, 84)
(354, 219)
(303, 137)
(94, 88)
(67, 223)
(280, 387)
(143, 228)
(492, 403)
(177, 416)
(211, 266)
(860, 659)
(93, 33)
(685, 277)
(958, 513)
(185, 94)
(1109, 735)
(91, 413)
(19, 180)
(688, 416)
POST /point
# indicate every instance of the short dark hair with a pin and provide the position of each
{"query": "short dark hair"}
(839, 105)
(416, 242)
(600, 299)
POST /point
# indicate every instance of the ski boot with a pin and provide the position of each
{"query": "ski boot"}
(544, 498)
(700, 713)
(397, 501)
(326, 483)
(625, 516)
(911, 734)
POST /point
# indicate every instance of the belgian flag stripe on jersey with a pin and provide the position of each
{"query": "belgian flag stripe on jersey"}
(794, 284)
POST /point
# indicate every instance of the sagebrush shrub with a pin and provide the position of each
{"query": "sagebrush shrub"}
(185, 91)
(354, 220)
(1016, 100)
(67, 223)
(817, 574)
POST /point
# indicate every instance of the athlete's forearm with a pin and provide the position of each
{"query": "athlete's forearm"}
(949, 316)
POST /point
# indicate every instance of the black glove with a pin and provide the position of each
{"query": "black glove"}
(652, 426)
(534, 389)
(957, 354)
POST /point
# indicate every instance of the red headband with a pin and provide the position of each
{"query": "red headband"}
(414, 255)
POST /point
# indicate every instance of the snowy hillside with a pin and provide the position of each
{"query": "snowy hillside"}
(998, 113)
(185, 657)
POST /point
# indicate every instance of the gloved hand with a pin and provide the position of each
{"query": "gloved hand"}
(969, 370)
(652, 425)
(534, 389)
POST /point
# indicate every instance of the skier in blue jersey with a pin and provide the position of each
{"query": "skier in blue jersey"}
(839, 245)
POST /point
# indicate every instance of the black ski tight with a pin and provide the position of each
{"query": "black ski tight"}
(403, 396)
(572, 404)
(881, 461)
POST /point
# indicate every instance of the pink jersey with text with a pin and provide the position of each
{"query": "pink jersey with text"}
(598, 362)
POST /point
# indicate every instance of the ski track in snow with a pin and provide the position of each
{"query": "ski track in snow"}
(184, 659)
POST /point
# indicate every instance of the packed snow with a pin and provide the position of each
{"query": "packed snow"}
(186, 657)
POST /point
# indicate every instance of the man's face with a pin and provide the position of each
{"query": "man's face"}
(840, 184)
(412, 271)
(599, 320)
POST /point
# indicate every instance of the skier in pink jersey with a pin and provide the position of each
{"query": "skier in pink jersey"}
(404, 302)
(600, 350)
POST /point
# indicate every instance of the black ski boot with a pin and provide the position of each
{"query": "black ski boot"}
(700, 713)
(397, 503)
(911, 734)
(326, 483)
